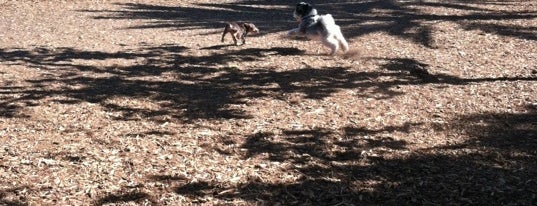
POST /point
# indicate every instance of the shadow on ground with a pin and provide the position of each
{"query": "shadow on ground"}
(190, 88)
(357, 18)
(6, 196)
(496, 165)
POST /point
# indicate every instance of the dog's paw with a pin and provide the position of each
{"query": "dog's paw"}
(283, 35)
(292, 32)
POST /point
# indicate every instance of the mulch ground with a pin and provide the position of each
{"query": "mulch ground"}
(115, 102)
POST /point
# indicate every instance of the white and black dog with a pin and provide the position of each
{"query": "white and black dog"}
(318, 27)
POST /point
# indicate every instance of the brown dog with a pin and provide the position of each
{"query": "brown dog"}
(239, 31)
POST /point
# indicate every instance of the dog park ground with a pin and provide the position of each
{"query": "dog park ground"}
(107, 102)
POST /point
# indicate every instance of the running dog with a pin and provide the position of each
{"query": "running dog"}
(318, 27)
(239, 31)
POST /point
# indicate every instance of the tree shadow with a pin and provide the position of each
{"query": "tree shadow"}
(190, 88)
(398, 18)
(204, 16)
(317, 155)
(423, 179)
(415, 72)
(6, 199)
(529, 33)
(497, 167)
(192, 96)
(403, 19)
(508, 133)
(471, 178)
(148, 133)
(127, 197)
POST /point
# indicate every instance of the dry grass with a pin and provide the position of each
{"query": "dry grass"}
(138, 103)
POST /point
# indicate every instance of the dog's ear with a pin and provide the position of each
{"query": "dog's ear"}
(302, 4)
(247, 25)
(303, 8)
(251, 27)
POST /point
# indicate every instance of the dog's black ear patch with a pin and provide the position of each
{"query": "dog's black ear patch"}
(303, 8)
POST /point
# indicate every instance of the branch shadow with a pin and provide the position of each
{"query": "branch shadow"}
(205, 15)
(529, 33)
(403, 19)
(6, 199)
(415, 72)
(127, 197)
(398, 18)
(503, 132)
(188, 88)
(497, 167)
(192, 96)
(317, 155)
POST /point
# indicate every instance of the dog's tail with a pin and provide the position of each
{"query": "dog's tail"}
(328, 21)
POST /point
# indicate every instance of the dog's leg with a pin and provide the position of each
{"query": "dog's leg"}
(235, 39)
(227, 29)
(342, 42)
(224, 34)
(243, 37)
(344, 45)
(332, 43)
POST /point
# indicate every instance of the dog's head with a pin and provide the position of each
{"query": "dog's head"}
(251, 28)
(302, 9)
